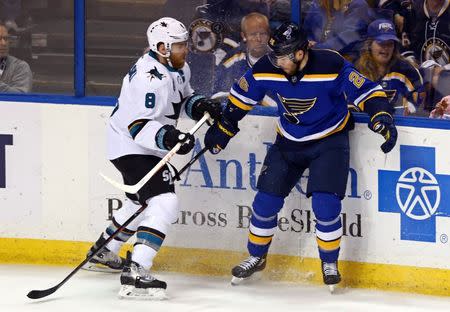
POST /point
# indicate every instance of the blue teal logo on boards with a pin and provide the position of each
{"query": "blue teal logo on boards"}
(417, 192)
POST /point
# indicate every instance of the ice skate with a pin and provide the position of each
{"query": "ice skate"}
(331, 276)
(138, 283)
(250, 267)
(104, 260)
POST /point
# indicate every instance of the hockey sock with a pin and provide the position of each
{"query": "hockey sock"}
(120, 216)
(119, 239)
(147, 246)
(263, 223)
(327, 209)
(161, 213)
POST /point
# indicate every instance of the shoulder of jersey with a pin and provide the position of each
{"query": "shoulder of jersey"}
(404, 67)
(233, 57)
(153, 71)
(324, 61)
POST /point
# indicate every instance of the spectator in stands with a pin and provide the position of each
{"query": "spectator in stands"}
(428, 31)
(216, 25)
(428, 28)
(380, 61)
(255, 34)
(442, 110)
(215, 33)
(340, 25)
(15, 74)
(399, 10)
(9, 11)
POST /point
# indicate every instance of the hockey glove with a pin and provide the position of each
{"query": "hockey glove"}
(219, 134)
(168, 136)
(382, 123)
(198, 105)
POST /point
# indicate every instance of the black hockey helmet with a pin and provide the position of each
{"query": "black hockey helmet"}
(287, 39)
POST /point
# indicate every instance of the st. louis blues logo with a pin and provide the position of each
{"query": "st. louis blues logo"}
(295, 107)
(418, 193)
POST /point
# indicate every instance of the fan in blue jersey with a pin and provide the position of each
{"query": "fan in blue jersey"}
(255, 34)
(380, 61)
(312, 88)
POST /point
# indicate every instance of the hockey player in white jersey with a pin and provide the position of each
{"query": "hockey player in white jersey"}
(141, 131)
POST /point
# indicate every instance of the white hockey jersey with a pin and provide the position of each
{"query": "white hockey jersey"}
(152, 95)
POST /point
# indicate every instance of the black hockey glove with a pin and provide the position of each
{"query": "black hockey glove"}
(382, 123)
(168, 136)
(219, 134)
(198, 105)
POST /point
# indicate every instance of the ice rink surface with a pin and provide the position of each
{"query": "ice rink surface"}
(92, 291)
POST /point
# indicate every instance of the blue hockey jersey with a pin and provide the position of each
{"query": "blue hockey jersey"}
(403, 81)
(311, 104)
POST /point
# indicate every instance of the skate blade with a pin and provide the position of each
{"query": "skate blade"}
(245, 280)
(332, 288)
(236, 280)
(98, 267)
(130, 292)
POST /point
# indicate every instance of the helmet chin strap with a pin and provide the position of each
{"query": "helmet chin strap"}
(166, 56)
(168, 61)
(163, 55)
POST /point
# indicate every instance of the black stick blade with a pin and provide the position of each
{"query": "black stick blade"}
(37, 294)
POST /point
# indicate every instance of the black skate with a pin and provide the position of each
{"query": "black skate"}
(104, 260)
(138, 283)
(331, 276)
(247, 268)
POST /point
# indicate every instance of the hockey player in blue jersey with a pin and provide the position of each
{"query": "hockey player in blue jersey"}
(313, 88)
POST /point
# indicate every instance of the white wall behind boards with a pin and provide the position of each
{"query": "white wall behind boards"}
(396, 210)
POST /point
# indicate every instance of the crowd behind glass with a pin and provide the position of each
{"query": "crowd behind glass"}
(402, 44)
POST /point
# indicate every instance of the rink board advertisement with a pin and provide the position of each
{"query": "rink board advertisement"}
(396, 211)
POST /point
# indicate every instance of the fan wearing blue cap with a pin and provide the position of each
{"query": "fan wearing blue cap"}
(381, 61)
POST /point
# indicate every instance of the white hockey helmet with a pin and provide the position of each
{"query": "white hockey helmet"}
(166, 30)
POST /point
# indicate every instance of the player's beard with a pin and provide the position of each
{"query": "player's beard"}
(177, 63)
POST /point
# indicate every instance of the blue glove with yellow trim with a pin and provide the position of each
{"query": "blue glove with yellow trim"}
(219, 134)
(383, 123)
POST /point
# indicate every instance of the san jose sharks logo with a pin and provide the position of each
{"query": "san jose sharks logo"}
(295, 107)
(176, 108)
(154, 73)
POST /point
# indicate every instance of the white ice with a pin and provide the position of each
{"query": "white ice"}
(92, 291)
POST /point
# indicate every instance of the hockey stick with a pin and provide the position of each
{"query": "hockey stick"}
(133, 189)
(37, 294)
(193, 160)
